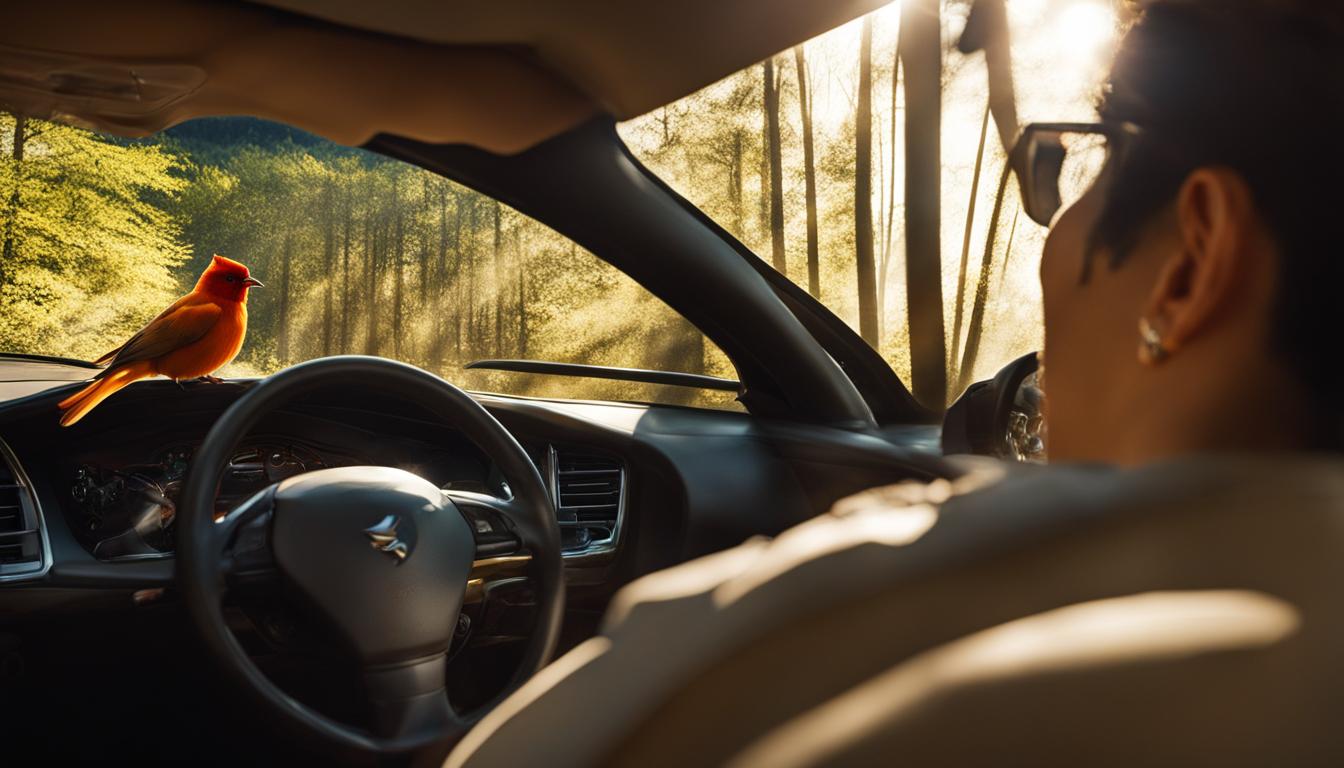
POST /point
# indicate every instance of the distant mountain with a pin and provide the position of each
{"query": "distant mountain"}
(239, 131)
(215, 139)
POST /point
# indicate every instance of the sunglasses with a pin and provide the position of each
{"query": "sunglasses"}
(1057, 163)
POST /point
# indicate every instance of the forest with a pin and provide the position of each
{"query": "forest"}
(799, 157)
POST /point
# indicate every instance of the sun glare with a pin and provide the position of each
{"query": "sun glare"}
(1084, 30)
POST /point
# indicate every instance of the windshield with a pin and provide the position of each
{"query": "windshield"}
(773, 154)
(359, 254)
(363, 254)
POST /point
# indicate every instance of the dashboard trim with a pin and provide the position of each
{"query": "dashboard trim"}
(21, 479)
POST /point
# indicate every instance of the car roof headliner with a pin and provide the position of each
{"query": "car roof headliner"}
(502, 75)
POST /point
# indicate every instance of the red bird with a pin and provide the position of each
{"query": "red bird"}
(199, 334)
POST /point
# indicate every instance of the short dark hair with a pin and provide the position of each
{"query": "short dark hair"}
(1256, 86)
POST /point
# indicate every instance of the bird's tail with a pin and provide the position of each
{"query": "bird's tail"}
(74, 407)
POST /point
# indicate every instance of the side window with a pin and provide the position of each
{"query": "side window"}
(802, 157)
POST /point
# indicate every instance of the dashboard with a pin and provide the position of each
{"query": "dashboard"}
(636, 488)
(119, 497)
(126, 506)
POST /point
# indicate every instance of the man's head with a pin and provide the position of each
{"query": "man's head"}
(1192, 295)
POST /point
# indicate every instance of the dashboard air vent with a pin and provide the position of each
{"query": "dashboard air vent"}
(22, 542)
(587, 487)
(11, 507)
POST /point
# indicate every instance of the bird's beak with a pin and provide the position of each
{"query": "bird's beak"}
(254, 282)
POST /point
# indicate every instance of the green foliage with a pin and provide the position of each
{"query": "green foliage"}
(90, 247)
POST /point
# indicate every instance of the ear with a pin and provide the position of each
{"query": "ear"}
(1216, 225)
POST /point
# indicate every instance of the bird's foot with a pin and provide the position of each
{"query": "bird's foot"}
(210, 379)
(179, 385)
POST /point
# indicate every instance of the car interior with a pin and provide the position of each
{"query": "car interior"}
(273, 568)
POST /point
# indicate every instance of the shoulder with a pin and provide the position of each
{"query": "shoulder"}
(1120, 681)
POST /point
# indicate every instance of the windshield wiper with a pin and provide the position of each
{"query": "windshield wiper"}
(670, 378)
(51, 359)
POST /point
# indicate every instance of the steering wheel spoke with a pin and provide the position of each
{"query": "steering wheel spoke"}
(409, 702)
(245, 540)
(494, 521)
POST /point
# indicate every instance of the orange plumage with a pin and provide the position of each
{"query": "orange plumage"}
(196, 336)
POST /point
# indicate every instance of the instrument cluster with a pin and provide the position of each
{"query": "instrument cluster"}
(122, 511)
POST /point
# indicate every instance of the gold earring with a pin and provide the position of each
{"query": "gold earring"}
(1152, 341)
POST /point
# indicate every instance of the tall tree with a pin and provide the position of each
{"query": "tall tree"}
(347, 216)
(977, 311)
(470, 337)
(921, 58)
(459, 260)
(521, 257)
(498, 276)
(440, 280)
(18, 143)
(371, 281)
(884, 266)
(425, 244)
(763, 199)
(328, 218)
(966, 237)
(863, 190)
(88, 248)
(282, 321)
(398, 264)
(974, 328)
(809, 175)
(735, 193)
(771, 103)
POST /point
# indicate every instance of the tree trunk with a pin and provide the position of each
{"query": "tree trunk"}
(499, 285)
(735, 191)
(686, 354)
(887, 243)
(470, 341)
(398, 266)
(776, 169)
(282, 336)
(693, 358)
(1008, 249)
(966, 239)
(9, 250)
(763, 199)
(921, 58)
(426, 201)
(973, 329)
(346, 298)
(440, 280)
(329, 268)
(459, 257)
(371, 297)
(522, 305)
(809, 176)
(863, 191)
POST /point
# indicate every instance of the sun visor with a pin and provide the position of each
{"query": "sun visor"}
(92, 93)
(135, 67)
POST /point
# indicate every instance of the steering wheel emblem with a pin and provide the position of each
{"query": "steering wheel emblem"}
(383, 537)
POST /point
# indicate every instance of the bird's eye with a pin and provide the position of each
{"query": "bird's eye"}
(231, 279)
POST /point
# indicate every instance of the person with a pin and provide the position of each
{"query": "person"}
(1167, 590)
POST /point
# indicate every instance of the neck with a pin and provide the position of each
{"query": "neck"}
(1261, 412)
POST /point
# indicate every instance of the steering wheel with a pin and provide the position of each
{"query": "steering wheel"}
(381, 553)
